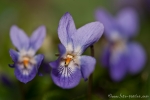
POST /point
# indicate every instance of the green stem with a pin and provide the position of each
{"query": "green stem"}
(21, 86)
(90, 78)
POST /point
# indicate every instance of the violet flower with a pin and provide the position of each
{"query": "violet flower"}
(120, 55)
(26, 63)
(70, 67)
(5, 80)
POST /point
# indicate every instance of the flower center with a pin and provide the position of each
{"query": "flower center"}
(26, 61)
(68, 59)
(118, 45)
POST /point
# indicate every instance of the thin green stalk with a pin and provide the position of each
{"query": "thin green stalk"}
(90, 78)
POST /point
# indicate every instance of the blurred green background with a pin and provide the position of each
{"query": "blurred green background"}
(29, 14)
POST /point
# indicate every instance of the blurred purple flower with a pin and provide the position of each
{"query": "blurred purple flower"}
(26, 63)
(70, 67)
(6, 81)
(44, 69)
(128, 3)
(120, 55)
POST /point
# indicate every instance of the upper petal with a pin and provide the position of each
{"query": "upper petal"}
(128, 21)
(18, 37)
(62, 49)
(108, 21)
(37, 38)
(66, 77)
(66, 29)
(14, 55)
(86, 36)
(87, 64)
(137, 58)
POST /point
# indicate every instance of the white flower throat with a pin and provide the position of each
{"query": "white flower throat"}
(27, 58)
(26, 61)
(70, 58)
(68, 64)
(118, 42)
(117, 47)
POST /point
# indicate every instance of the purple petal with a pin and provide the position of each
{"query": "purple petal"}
(55, 64)
(40, 74)
(66, 77)
(14, 55)
(128, 21)
(39, 59)
(137, 58)
(87, 66)
(37, 38)
(118, 73)
(62, 49)
(87, 35)
(105, 57)
(32, 71)
(66, 29)
(119, 66)
(108, 21)
(66, 82)
(45, 68)
(18, 37)
(25, 78)
(5, 80)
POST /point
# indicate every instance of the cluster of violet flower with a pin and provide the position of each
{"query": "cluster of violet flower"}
(119, 55)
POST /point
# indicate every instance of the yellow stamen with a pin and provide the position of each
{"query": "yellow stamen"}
(26, 61)
(68, 60)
